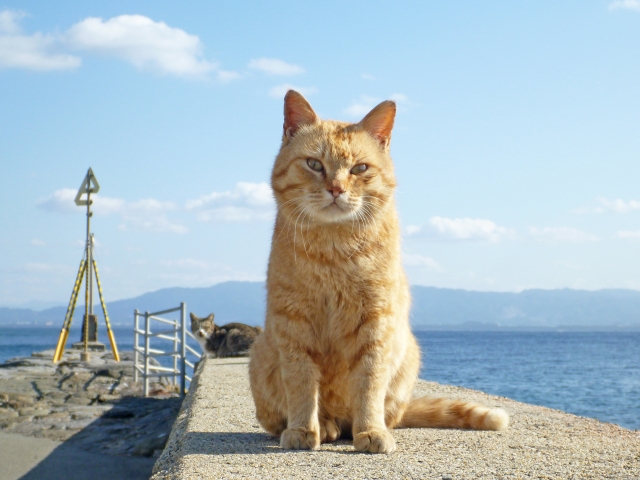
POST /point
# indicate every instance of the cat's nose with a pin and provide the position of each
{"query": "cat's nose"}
(335, 191)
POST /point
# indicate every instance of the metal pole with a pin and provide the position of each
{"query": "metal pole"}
(176, 340)
(64, 333)
(112, 338)
(183, 331)
(91, 267)
(145, 390)
(85, 333)
(135, 345)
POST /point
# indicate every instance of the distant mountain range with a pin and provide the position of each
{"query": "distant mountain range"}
(433, 308)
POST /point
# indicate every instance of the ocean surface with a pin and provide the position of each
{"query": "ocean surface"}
(592, 374)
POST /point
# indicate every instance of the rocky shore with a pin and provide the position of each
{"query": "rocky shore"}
(93, 405)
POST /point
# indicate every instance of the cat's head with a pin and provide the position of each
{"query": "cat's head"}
(202, 328)
(333, 172)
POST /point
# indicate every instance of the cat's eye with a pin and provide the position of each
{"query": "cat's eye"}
(315, 164)
(359, 168)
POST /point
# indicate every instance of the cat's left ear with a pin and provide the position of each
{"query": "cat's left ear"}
(379, 122)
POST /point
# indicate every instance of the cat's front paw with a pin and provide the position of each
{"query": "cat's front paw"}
(374, 441)
(299, 439)
(329, 431)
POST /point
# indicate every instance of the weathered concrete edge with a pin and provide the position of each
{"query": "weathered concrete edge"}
(171, 453)
(220, 440)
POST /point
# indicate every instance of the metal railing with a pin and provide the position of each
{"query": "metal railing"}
(177, 335)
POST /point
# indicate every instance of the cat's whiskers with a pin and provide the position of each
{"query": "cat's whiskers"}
(292, 213)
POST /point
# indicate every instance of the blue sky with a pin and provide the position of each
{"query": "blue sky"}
(517, 139)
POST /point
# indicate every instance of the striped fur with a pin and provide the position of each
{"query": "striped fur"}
(337, 356)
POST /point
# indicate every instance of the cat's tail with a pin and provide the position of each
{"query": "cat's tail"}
(427, 412)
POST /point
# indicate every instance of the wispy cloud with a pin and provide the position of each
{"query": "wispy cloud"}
(148, 214)
(414, 260)
(618, 206)
(36, 242)
(625, 4)
(367, 76)
(275, 66)
(30, 52)
(561, 234)
(47, 268)
(247, 202)
(280, 90)
(363, 104)
(459, 229)
(628, 235)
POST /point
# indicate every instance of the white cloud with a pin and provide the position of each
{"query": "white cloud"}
(226, 76)
(459, 229)
(625, 4)
(47, 268)
(359, 108)
(274, 66)
(247, 202)
(628, 235)
(146, 44)
(412, 260)
(279, 91)
(367, 76)
(618, 206)
(363, 105)
(9, 21)
(30, 52)
(561, 234)
(36, 242)
(399, 98)
(148, 214)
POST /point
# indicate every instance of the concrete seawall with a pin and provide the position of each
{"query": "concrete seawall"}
(216, 435)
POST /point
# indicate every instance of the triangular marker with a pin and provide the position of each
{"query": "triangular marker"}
(89, 185)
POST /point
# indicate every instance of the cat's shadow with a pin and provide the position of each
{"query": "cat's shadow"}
(242, 443)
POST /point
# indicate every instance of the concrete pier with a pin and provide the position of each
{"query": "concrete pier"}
(216, 435)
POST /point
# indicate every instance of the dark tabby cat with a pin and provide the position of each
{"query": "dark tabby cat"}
(230, 340)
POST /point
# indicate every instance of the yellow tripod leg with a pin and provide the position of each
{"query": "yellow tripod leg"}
(112, 339)
(64, 333)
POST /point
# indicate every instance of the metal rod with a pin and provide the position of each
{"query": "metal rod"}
(135, 345)
(175, 358)
(162, 312)
(112, 339)
(85, 334)
(145, 390)
(183, 376)
(64, 332)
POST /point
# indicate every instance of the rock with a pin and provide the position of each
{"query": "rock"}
(146, 447)
(119, 413)
(34, 412)
(95, 405)
(8, 413)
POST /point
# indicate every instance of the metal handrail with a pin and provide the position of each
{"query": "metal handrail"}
(178, 335)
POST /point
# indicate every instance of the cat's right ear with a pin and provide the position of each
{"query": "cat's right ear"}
(297, 112)
(193, 317)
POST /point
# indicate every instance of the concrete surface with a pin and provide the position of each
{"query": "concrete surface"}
(216, 435)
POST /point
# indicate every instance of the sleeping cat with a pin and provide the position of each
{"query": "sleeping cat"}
(337, 356)
(230, 340)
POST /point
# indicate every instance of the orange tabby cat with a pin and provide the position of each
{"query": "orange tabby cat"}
(337, 356)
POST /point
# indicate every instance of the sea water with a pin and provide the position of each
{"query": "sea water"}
(593, 374)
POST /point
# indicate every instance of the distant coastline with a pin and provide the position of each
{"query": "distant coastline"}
(432, 308)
